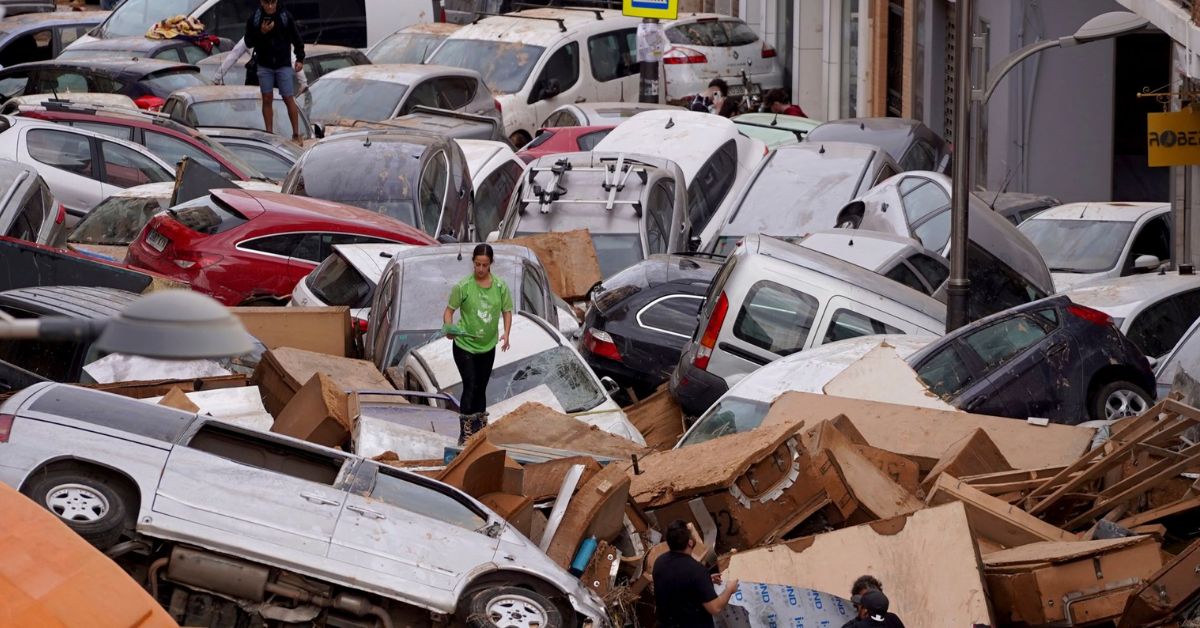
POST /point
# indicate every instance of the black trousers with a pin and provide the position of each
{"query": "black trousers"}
(476, 370)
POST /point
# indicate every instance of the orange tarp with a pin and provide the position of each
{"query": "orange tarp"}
(50, 577)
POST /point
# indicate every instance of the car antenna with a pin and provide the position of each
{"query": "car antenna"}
(367, 142)
(460, 252)
(775, 120)
(822, 151)
(670, 123)
(1004, 186)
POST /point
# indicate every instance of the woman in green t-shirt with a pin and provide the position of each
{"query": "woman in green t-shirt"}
(482, 298)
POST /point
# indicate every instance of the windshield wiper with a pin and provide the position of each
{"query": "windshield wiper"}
(1068, 270)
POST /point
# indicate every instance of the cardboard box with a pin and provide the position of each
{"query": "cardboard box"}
(320, 329)
(284, 370)
(658, 418)
(1077, 582)
(319, 413)
(569, 258)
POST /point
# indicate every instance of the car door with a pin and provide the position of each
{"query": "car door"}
(421, 536)
(775, 318)
(280, 260)
(232, 486)
(927, 209)
(1159, 326)
(612, 60)
(432, 192)
(122, 167)
(558, 82)
(382, 314)
(66, 35)
(1027, 365)
(67, 162)
(953, 374)
(492, 197)
(844, 319)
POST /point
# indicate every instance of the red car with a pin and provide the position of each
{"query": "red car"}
(250, 248)
(563, 139)
(168, 140)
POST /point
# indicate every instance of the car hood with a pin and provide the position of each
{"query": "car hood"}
(1067, 281)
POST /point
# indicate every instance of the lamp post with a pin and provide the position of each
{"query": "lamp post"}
(168, 325)
(967, 127)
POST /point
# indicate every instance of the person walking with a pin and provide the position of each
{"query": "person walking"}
(684, 596)
(270, 32)
(482, 299)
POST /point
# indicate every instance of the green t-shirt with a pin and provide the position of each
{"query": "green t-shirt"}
(480, 311)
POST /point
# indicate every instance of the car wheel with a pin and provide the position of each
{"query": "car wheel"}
(849, 221)
(512, 607)
(1119, 399)
(89, 503)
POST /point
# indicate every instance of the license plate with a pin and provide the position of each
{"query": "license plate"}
(157, 241)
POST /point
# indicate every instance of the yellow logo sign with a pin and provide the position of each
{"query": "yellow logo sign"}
(1173, 138)
(658, 9)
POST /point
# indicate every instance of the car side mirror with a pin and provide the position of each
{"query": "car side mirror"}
(693, 243)
(318, 131)
(610, 385)
(1153, 362)
(492, 236)
(447, 238)
(1146, 262)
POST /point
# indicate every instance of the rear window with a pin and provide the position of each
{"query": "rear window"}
(699, 34)
(161, 84)
(207, 215)
(34, 207)
(114, 412)
(404, 48)
(336, 282)
(116, 221)
(776, 318)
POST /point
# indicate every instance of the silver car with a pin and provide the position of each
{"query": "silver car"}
(381, 92)
(27, 209)
(266, 528)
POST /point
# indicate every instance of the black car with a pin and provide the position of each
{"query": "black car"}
(1051, 359)
(42, 36)
(147, 81)
(421, 180)
(57, 361)
(910, 143)
(640, 319)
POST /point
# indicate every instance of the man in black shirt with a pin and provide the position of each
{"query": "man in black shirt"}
(270, 32)
(683, 588)
(872, 604)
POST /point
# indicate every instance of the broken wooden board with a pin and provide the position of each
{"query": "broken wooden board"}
(158, 388)
(569, 258)
(974, 454)
(597, 509)
(324, 330)
(175, 398)
(1001, 523)
(874, 491)
(926, 561)
(515, 509)
(924, 435)
(535, 424)
(320, 412)
(1165, 592)
(282, 371)
(658, 418)
(901, 470)
(477, 470)
(1030, 584)
(882, 375)
(541, 480)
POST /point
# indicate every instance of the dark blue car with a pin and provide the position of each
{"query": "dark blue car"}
(1051, 358)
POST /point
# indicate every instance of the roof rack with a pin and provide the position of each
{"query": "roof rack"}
(562, 27)
(616, 173)
(551, 5)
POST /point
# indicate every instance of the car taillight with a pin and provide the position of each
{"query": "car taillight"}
(499, 107)
(601, 344)
(361, 324)
(195, 261)
(6, 423)
(768, 51)
(149, 103)
(1088, 314)
(682, 56)
(61, 216)
(709, 339)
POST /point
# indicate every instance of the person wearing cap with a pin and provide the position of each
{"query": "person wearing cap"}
(684, 595)
(872, 605)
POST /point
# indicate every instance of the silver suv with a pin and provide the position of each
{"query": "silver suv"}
(265, 528)
(773, 298)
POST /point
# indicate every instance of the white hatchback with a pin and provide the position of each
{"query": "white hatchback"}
(705, 46)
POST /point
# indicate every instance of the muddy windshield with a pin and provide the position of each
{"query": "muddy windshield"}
(116, 221)
(354, 99)
(135, 17)
(1078, 246)
(558, 369)
(404, 48)
(426, 283)
(245, 113)
(731, 415)
(504, 65)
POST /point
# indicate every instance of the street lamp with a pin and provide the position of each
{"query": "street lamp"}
(1103, 26)
(168, 325)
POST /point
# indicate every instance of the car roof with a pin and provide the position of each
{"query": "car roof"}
(779, 120)
(479, 153)
(213, 93)
(1122, 296)
(311, 51)
(11, 171)
(868, 249)
(401, 73)
(433, 28)
(891, 134)
(664, 268)
(686, 137)
(135, 43)
(544, 30)
(28, 21)
(701, 17)
(1054, 300)
(72, 301)
(530, 336)
(300, 210)
(1107, 212)
(614, 110)
(109, 66)
(846, 272)
(369, 259)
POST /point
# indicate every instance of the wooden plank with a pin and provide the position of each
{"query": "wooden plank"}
(871, 487)
(1000, 522)
(658, 418)
(1138, 489)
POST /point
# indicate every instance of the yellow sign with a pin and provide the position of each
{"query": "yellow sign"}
(1173, 138)
(659, 9)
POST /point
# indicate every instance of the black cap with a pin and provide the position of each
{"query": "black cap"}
(874, 601)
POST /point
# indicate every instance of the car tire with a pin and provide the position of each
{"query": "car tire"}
(1119, 399)
(90, 503)
(502, 607)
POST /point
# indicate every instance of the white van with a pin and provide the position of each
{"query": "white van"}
(353, 23)
(538, 60)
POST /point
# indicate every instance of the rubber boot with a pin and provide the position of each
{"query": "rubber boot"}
(478, 422)
(466, 427)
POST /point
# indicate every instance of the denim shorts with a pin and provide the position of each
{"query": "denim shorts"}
(282, 78)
